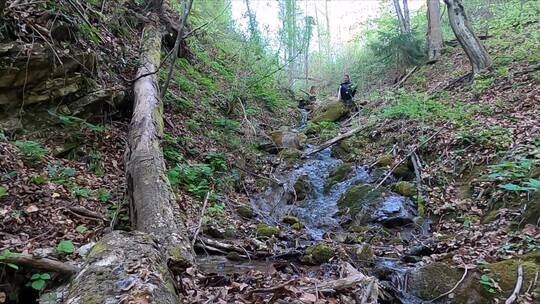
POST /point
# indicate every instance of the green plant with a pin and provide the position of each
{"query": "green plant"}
(7, 254)
(81, 229)
(76, 123)
(95, 163)
(103, 195)
(60, 174)
(216, 208)
(39, 280)
(513, 176)
(488, 283)
(192, 125)
(32, 152)
(39, 179)
(65, 246)
(227, 124)
(81, 192)
(3, 191)
(217, 161)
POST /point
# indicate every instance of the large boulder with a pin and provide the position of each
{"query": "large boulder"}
(332, 111)
(432, 280)
(369, 205)
(284, 138)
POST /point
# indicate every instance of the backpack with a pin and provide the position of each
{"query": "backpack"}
(346, 92)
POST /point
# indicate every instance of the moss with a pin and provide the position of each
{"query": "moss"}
(302, 187)
(402, 171)
(265, 230)
(490, 216)
(245, 211)
(234, 256)
(358, 228)
(297, 226)
(177, 257)
(405, 188)
(341, 173)
(317, 254)
(290, 155)
(358, 196)
(505, 272)
(332, 112)
(98, 248)
(291, 220)
(364, 254)
(385, 161)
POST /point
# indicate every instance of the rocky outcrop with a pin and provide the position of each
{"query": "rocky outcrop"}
(284, 138)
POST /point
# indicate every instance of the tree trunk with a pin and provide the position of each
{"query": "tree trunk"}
(401, 19)
(123, 267)
(434, 34)
(152, 203)
(406, 15)
(470, 43)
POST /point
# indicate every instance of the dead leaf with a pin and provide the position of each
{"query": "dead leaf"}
(32, 208)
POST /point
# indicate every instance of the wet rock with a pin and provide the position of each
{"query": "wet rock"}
(405, 188)
(317, 254)
(339, 174)
(297, 226)
(302, 187)
(367, 204)
(265, 230)
(430, 281)
(290, 155)
(344, 151)
(284, 138)
(245, 211)
(291, 220)
(333, 111)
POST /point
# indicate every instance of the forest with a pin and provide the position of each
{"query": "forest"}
(269, 151)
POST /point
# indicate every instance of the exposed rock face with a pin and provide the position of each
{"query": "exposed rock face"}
(369, 205)
(332, 111)
(32, 78)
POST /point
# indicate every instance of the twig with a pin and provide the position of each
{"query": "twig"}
(369, 290)
(200, 219)
(408, 155)
(246, 118)
(399, 83)
(333, 141)
(417, 172)
(453, 288)
(517, 288)
(151, 73)
(207, 22)
(271, 289)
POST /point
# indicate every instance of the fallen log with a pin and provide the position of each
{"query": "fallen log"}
(333, 141)
(153, 206)
(46, 264)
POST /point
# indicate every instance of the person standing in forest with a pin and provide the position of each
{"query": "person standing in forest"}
(346, 92)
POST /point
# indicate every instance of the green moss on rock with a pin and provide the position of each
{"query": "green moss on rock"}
(317, 254)
(291, 220)
(290, 155)
(402, 171)
(245, 211)
(405, 188)
(333, 111)
(302, 187)
(505, 272)
(362, 196)
(385, 161)
(297, 226)
(265, 230)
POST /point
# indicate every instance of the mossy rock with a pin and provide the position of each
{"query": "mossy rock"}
(364, 254)
(405, 188)
(505, 272)
(290, 155)
(284, 138)
(402, 171)
(245, 211)
(434, 279)
(333, 111)
(290, 220)
(234, 256)
(297, 226)
(344, 150)
(362, 196)
(340, 173)
(385, 161)
(302, 187)
(265, 230)
(317, 254)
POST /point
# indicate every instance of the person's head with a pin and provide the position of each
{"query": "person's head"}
(346, 78)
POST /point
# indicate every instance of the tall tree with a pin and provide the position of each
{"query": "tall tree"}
(403, 16)
(473, 47)
(434, 33)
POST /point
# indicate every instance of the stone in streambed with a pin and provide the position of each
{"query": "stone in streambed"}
(385, 161)
(234, 256)
(339, 174)
(302, 187)
(265, 230)
(317, 254)
(283, 138)
(291, 220)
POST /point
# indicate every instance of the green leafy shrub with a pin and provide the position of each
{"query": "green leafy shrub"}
(39, 280)
(65, 246)
(3, 191)
(81, 192)
(32, 152)
(60, 174)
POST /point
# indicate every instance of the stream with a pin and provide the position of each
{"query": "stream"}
(318, 211)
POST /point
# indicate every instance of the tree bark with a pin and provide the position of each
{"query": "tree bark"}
(152, 203)
(403, 23)
(434, 34)
(406, 15)
(123, 267)
(2, 6)
(473, 47)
